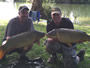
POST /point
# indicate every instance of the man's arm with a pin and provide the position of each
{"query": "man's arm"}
(9, 30)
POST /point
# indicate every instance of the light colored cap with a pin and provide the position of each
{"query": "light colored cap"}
(21, 8)
(55, 10)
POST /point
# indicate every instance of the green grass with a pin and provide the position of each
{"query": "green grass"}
(39, 51)
(86, 45)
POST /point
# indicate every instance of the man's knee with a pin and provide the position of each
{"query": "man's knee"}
(49, 50)
(53, 47)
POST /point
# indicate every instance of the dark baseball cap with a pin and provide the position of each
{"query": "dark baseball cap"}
(21, 8)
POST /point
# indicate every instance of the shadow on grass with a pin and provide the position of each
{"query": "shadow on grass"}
(30, 64)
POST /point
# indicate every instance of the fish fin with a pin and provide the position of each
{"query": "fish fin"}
(2, 53)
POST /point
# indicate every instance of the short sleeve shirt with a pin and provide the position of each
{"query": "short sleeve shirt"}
(65, 23)
(15, 27)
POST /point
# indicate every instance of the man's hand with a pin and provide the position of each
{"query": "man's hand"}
(8, 37)
(51, 40)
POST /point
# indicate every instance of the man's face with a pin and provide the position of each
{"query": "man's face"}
(23, 14)
(56, 17)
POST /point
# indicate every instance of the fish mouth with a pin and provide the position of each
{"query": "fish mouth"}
(49, 36)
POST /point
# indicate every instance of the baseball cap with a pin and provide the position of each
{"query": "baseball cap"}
(21, 8)
(55, 10)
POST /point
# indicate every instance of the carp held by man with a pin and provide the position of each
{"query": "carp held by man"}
(68, 36)
(21, 40)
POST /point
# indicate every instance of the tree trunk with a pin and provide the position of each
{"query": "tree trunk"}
(37, 6)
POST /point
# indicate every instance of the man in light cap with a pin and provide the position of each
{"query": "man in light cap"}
(21, 23)
(70, 58)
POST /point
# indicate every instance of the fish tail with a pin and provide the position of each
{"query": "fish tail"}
(2, 53)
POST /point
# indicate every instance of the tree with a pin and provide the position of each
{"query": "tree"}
(37, 6)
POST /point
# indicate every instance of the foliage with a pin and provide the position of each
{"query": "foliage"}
(47, 11)
(17, 0)
(49, 1)
(66, 1)
(28, 1)
(56, 1)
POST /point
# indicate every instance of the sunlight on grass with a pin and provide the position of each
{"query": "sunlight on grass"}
(87, 55)
(41, 23)
(3, 22)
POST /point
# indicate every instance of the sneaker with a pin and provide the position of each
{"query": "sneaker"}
(81, 55)
(52, 59)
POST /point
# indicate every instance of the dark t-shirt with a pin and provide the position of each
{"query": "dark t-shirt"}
(15, 27)
(65, 23)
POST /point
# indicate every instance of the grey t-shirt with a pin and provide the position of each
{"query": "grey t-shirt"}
(15, 27)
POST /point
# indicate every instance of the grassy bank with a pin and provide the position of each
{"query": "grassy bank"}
(39, 51)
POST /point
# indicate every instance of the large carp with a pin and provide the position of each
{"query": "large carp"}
(21, 40)
(68, 36)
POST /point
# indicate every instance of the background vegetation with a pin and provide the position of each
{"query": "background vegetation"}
(57, 1)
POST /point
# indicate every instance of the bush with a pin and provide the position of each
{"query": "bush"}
(47, 11)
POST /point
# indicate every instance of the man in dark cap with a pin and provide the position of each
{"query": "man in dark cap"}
(21, 23)
(71, 59)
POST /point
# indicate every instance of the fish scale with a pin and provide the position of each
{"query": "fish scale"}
(69, 36)
(21, 40)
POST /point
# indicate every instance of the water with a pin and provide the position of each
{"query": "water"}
(78, 13)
